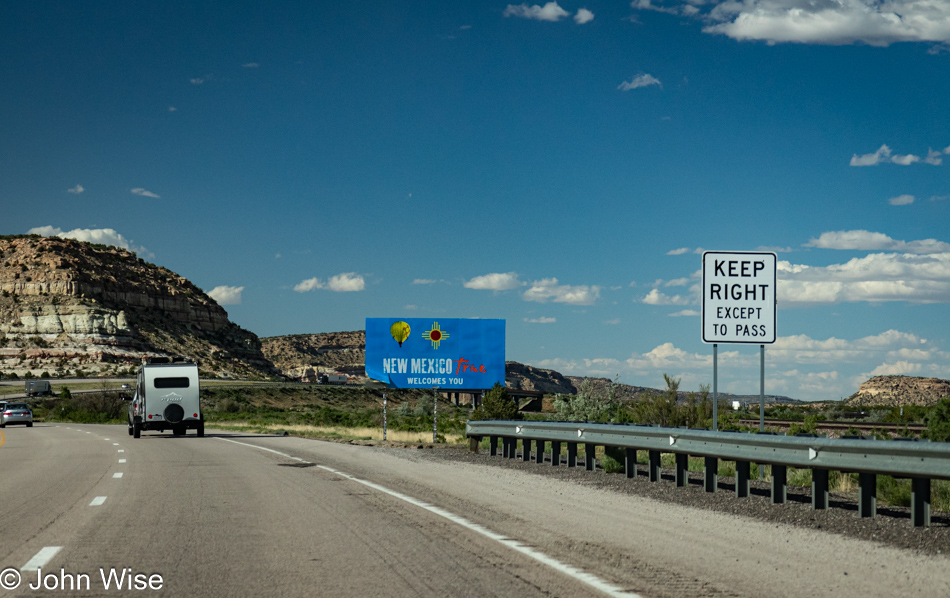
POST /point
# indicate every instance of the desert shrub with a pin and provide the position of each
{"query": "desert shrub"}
(613, 460)
(497, 405)
(938, 421)
(590, 404)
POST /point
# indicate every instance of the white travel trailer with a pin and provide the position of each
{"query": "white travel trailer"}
(166, 398)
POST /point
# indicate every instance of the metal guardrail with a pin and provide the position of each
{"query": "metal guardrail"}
(922, 461)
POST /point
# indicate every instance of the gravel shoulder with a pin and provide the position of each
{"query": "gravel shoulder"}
(891, 527)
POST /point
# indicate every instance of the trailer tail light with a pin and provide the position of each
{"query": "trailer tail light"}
(196, 415)
(150, 416)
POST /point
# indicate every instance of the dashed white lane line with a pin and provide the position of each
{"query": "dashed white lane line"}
(117, 475)
(121, 460)
(115, 444)
(40, 559)
(97, 501)
(121, 450)
(581, 576)
(106, 439)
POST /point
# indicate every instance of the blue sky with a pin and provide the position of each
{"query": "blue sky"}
(560, 165)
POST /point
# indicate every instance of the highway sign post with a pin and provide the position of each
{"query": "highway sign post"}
(739, 304)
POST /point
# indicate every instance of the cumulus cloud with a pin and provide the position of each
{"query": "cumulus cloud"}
(346, 282)
(541, 320)
(548, 289)
(172, 109)
(583, 16)
(933, 157)
(250, 65)
(869, 241)
(549, 12)
(226, 295)
(883, 153)
(495, 282)
(424, 281)
(684, 313)
(832, 22)
(655, 297)
(901, 200)
(308, 285)
(142, 192)
(643, 80)
(679, 251)
(905, 160)
(76, 190)
(104, 236)
(197, 81)
(878, 277)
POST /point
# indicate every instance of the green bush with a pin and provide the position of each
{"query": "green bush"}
(497, 405)
(938, 421)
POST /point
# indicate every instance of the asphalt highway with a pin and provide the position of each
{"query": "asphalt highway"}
(255, 515)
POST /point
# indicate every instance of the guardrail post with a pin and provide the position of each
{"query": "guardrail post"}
(473, 442)
(572, 454)
(555, 453)
(711, 474)
(512, 447)
(654, 466)
(920, 502)
(682, 469)
(589, 461)
(867, 495)
(819, 489)
(539, 453)
(493, 446)
(630, 462)
(779, 484)
(525, 449)
(742, 479)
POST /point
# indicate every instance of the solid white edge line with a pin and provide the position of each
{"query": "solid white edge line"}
(42, 557)
(97, 501)
(581, 576)
(121, 460)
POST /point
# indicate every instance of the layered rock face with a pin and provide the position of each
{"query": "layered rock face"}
(900, 390)
(294, 354)
(525, 377)
(72, 306)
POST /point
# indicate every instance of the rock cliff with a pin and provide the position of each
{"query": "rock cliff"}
(71, 306)
(900, 390)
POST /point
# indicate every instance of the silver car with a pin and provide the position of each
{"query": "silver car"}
(16, 413)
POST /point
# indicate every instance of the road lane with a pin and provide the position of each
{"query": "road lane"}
(216, 519)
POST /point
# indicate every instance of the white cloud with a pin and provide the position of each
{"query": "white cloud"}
(346, 282)
(172, 109)
(676, 282)
(76, 190)
(648, 5)
(410, 307)
(144, 193)
(541, 320)
(833, 22)
(583, 16)
(901, 200)
(896, 369)
(679, 251)
(549, 289)
(495, 282)
(644, 80)
(905, 160)
(684, 313)
(939, 197)
(308, 285)
(549, 12)
(883, 153)
(868, 241)
(655, 297)
(226, 295)
(878, 277)
(250, 65)
(613, 322)
(933, 157)
(197, 81)
(104, 236)
(424, 281)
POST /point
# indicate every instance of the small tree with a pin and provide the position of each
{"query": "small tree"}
(938, 421)
(590, 404)
(497, 405)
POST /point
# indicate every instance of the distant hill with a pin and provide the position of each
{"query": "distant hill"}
(628, 392)
(73, 307)
(899, 390)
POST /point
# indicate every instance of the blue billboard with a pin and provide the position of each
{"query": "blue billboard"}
(436, 352)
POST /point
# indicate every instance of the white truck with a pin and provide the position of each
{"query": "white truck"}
(166, 397)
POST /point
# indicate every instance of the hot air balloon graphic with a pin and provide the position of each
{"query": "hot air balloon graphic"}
(400, 331)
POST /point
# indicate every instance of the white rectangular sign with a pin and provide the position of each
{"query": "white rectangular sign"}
(739, 297)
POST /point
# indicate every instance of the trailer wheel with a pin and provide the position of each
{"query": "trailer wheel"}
(201, 429)
(137, 430)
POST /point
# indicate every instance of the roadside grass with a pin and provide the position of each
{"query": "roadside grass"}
(336, 432)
